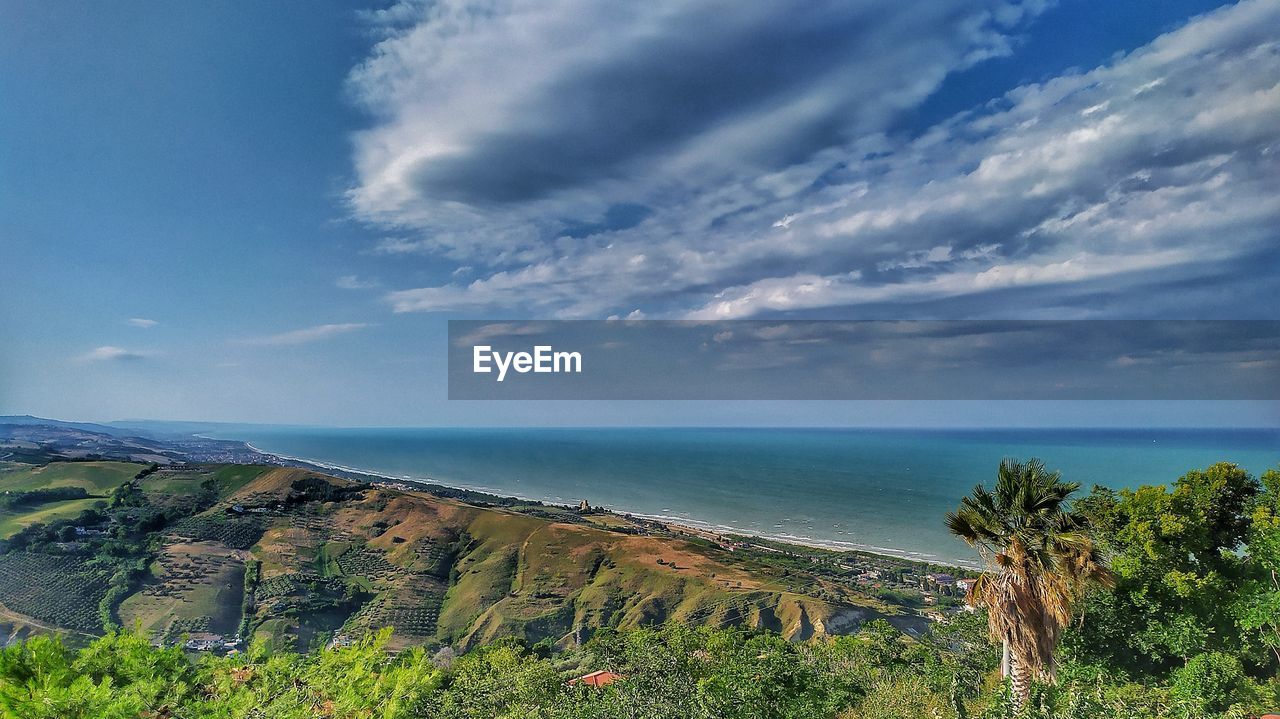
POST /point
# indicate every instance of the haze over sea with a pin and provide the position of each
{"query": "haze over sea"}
(878, 490)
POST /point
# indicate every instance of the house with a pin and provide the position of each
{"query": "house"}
(595, 679)
(204, 642)
(965, 585)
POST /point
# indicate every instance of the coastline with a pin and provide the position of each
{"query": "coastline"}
(685, 524)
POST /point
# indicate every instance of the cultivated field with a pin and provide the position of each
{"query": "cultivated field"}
(193, 587)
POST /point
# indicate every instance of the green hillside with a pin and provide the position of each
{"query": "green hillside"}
(295, 557)
(98, 479)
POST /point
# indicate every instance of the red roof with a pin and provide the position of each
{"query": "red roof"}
(596, 679)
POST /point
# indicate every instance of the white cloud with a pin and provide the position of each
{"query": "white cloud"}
(1160, 165)
(306, 335)
(804, 292)
(108, 353)
(143, 323)
(353, 282)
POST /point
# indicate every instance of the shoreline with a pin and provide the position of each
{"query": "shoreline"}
(688, 524)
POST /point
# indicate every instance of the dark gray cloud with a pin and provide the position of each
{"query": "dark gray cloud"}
(501, 103)
(699, 72)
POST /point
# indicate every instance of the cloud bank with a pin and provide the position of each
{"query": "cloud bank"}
(706, 160)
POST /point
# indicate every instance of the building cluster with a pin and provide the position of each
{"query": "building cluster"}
(210, 642)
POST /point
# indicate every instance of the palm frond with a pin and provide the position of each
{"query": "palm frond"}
(1041, 557)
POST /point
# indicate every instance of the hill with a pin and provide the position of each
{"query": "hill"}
(33, 441)
(225, 552)
(29, 420)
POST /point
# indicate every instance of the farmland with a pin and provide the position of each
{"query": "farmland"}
(59, 590)
(234, 532)
(192, 587)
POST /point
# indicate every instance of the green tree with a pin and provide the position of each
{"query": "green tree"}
(1209, 683)
(1258, 609)
(1175, 552)
(1039, 556)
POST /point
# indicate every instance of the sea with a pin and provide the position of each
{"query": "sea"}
(883, 491)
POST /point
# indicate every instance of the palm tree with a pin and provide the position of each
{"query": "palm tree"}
(1040, 557)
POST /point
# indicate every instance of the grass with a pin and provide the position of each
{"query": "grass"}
(326, 559)
(232, 477)
(175, 484)
(13, 522)
(191, 585)
(94, 477)
(188, 482)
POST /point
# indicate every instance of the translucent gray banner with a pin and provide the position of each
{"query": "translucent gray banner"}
(827, 359)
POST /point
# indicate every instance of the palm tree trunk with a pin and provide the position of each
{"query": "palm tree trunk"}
(1004, 661)
(1019, 683)
(1275, 582)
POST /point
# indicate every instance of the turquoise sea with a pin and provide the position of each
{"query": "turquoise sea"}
(879, 490)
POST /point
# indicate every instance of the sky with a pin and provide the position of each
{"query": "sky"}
(268, 212)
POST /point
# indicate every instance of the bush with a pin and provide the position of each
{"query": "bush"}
(1210, 682)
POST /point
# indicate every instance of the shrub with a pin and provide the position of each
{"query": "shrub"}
(1210, 682)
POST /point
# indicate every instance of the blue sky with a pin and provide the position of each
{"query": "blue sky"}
(268, 212)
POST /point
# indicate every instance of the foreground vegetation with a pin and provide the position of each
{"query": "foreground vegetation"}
(669, 672)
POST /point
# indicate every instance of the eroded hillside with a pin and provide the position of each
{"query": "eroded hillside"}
(363, 557)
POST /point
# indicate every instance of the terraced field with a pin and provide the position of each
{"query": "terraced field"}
(234, 532)
(412, 610)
